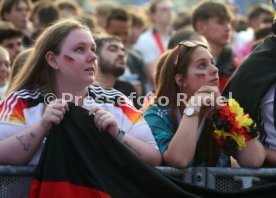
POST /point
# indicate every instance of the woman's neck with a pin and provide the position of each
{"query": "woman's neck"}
(72, 95)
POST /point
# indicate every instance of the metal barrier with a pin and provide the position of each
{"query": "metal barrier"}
(235, 179)
(222, 179)
(15, 180)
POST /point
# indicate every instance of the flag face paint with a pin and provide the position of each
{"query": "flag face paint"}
(201, 76)
(68, 59)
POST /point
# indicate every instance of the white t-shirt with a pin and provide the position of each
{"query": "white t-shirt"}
(25, 108)
(128, 118)
(20, 110)
(147, 45)
(267, 119)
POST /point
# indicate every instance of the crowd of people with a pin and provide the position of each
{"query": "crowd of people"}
(151, 52)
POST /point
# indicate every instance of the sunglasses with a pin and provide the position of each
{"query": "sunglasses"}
(188, 45)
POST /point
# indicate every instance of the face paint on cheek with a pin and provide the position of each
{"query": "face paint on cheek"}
(69, 60)
(200, 76)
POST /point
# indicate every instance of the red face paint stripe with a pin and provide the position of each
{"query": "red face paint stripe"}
(68, 59)
(200, 76)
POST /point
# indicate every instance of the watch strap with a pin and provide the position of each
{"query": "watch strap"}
(120, 135)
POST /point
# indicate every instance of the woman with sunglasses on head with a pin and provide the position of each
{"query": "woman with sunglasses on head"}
(179, 118)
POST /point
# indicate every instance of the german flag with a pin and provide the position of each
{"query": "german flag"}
(79, 161)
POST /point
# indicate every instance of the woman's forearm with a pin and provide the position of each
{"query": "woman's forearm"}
(21, 147)
(143, 150)
(252, 156)
(182, 147)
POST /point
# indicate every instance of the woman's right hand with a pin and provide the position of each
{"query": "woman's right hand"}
(53, 114)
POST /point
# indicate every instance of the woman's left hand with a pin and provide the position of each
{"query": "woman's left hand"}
(104, 121)
(214, 95)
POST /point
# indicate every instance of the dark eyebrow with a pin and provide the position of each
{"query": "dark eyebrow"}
(84, 43)
(204, 59)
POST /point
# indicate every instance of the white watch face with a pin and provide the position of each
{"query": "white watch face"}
(189, 111)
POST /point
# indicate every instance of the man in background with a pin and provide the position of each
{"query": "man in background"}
(213, 20)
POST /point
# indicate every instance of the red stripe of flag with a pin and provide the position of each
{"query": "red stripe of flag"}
(58, 189)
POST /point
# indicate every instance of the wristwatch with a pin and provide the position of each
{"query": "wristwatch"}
(191, 111)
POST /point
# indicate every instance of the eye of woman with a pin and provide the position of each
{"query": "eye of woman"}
(93, 49)
(79, 49)
(202, 65)
(7, 64)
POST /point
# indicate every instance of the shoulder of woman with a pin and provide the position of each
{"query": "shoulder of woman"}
(156, 110)
(12, 108)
